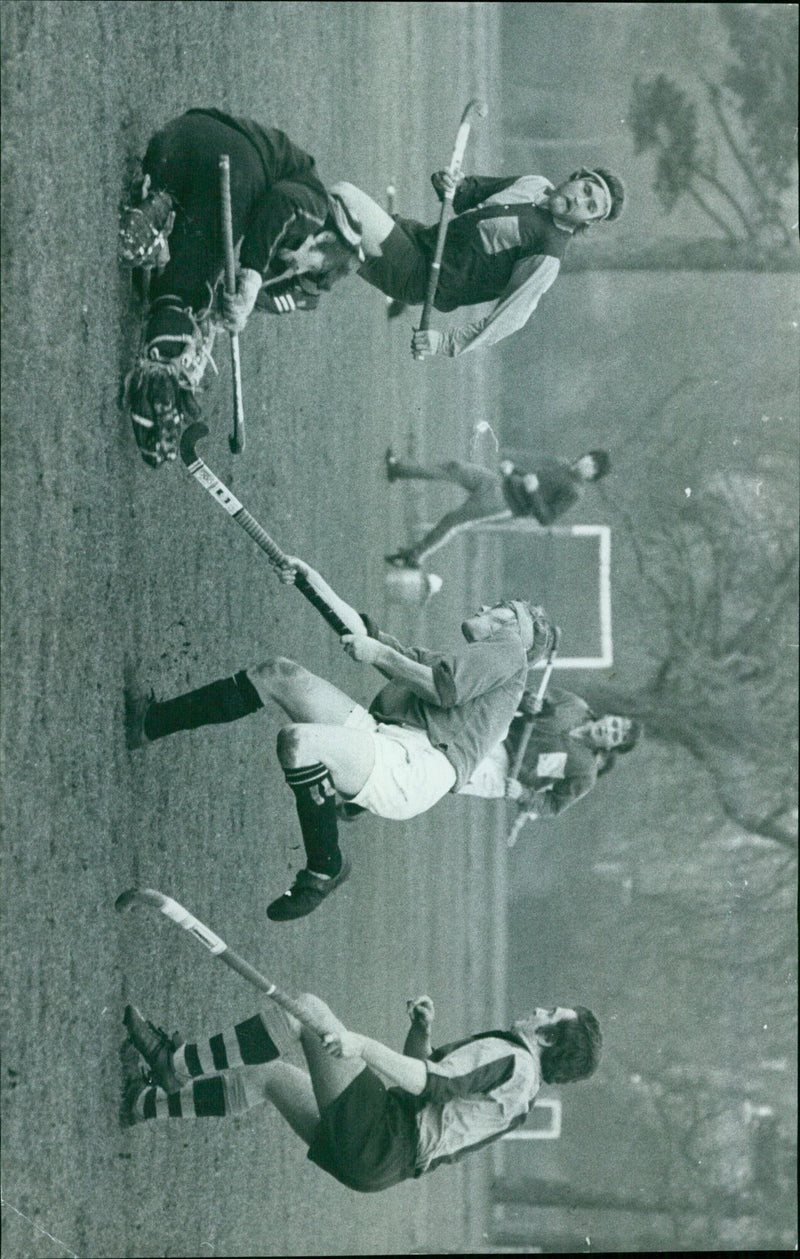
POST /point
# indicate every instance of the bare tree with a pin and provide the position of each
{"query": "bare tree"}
(717, 600)
(752, 118)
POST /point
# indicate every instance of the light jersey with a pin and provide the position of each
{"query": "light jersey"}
(512, 245)
(479, 687)
(477, 1089)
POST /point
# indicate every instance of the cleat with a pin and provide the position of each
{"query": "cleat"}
(145, 226)
(306, 894)
(134, 1082)
(155, 1047)
(136, 706)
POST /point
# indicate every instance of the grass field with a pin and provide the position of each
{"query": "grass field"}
(106, 561)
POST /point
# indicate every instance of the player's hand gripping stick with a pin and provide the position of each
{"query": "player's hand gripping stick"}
(477, 107)
(525, 739)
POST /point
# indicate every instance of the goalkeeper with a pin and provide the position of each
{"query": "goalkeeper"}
(293, 238)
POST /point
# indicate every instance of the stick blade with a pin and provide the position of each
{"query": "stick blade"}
(475, 106)
(189, 439)
(138, 896)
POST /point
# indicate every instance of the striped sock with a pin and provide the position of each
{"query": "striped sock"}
(315, 796)
(212, 1097)
(246, 1044)
(203, 1099)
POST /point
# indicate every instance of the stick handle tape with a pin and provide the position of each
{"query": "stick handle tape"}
(260, 535)
(305, 588)
(227, 221)
(183, 918)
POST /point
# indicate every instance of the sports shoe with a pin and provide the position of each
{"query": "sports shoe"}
(402, 559)
(306, 894)
(134, 1082)
(136, 706)
(155, 1047)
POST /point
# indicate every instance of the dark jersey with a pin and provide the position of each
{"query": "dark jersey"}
(485, 242)
(277, 198)
(560, 487)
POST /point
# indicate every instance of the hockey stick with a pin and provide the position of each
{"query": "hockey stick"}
(176, 913)
(278, 558)
(538, 701)
(393, 306)
(454, 169)
(237, 439)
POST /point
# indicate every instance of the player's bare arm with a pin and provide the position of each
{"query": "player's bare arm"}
(392, 664)
(406, 1073)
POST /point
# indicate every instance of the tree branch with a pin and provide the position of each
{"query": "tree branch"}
(712, 214)
(716, 183)
(770, 208)
(784, 592)
(769, 827)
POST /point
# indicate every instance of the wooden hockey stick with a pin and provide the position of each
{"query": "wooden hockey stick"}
(278, 558)
(528, 731)
(237, 439)
(454, 169)
(178, 914)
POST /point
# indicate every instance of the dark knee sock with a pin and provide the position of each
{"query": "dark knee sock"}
(315, 796)
(225, 700)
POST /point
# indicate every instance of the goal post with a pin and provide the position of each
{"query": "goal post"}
(598, 537)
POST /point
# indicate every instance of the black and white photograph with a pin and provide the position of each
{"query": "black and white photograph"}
(400, 486)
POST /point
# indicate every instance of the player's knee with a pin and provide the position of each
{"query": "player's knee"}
(275, 671)
(290, 746)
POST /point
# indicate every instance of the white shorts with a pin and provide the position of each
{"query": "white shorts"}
(409, 774)
(488, 779)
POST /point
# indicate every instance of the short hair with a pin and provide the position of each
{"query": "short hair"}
(602, 463)
(572, 1051)
(631, 738)
(608, 756)
(615, 187)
